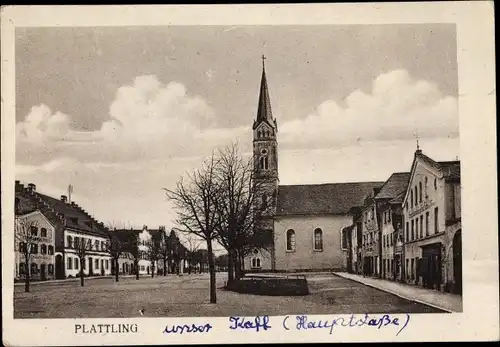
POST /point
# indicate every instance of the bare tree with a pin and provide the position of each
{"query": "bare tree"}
(153, 252)
(116, 248)
(238, 205)
(194, 244)
(82, 247)
(27, 240)
(133, 250)
(196, 201)
(164, 250)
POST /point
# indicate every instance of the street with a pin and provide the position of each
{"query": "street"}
(185, 296)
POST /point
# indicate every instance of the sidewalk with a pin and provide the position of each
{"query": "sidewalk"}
(443, 301)
(64, 280)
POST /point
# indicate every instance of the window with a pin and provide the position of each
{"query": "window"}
(420, 191)
(50, 250)
(264, 202)
(263, 163)
(318, 240)
(412, 268)
(436, 221)
(142, 267)
(43, 232)
(77, 242)
(22, 268)
(290, 240)
(34, 268)
(388, 216)
(103, 246)
(69, 242)
(392, 265)
(416, 228)
(411, 198)
(407, 268)
(107, 264)
(407, 232)
(96, 263)
(34, 230)
(435, 184)
(76, 263)
(70, 264)
(51, 269)
(427, 224)
(425, 187)
(43, 249)
(255, 262)
(22, 247)
(96, 245)
(102, 264)
(421, 226)
(34, 248)
(412, 229)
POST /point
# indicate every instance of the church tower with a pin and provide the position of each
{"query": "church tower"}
(265, 150)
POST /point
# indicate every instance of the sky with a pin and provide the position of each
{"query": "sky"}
(122, 112)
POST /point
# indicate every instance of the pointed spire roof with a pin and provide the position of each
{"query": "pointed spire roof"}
(264, 112)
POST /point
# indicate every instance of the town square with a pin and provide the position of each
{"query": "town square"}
(180, 172)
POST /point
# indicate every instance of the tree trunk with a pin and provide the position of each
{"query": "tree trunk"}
(136, 264)
(81, 273)
(27, 274)
(117, 270)
(164, 266)
(211, 267)
(237, 265)
(230, 266)
(152, 270)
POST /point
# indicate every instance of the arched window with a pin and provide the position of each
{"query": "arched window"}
(43, 249)
(420, 191)
(318, 239)
(435, 184)
(50, 250)
(34, 230)
(290, 240)
(264, 202)
(258, 262)
(416, 195)
(411, 198)
(425, 187)
(43, 232)
(22, 247)
(69, 241)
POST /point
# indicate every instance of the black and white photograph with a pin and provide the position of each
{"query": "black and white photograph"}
(236, 171)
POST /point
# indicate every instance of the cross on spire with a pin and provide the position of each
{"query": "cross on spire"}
(417, 137)
(263, 58)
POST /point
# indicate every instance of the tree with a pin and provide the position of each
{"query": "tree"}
(195, 201)
(193, 246)
(82, 247)
(153, 252)
(133, 249)
(27, 239)
(238, 206)
(115, 247)
(164, 250)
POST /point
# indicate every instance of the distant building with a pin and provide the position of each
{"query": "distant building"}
(390, 221)
(433, 256)
(42, 252)
(371, 246)
(72, 225)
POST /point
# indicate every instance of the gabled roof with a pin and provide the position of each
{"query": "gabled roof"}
(397, 183)
(334, 198)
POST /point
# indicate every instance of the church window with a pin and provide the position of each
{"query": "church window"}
(290, 240)
(264, 202)
(420, 191)
(343, 241)
(318, 240)
(263, 163)
(435, 184)
(256, 263)
(425, 187)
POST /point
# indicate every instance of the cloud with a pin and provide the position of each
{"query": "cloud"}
(397, 107)
(148, 119)
(42, 125)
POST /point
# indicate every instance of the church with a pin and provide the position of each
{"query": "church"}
(306, 221)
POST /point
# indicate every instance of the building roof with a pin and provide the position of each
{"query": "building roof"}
(397, 183)
(70, 215)
(450, 169)
(333, 198)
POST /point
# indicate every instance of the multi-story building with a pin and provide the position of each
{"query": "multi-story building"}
(73, 227)
(433, 224)
(389, 213)
(34, 226)
(371, 246)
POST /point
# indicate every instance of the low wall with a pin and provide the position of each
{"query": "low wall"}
(271, 286)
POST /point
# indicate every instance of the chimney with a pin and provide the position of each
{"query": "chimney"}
(31, 187)
(64, 198)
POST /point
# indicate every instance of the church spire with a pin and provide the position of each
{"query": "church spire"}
(264, 109)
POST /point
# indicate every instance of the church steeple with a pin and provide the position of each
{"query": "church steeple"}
(264, 112)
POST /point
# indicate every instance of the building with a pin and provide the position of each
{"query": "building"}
(390, 219)
(305, 221)
(73, 227)
(432, 217)
(41, 258)
(371, 246)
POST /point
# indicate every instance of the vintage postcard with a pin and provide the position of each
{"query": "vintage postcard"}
(249, 174)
